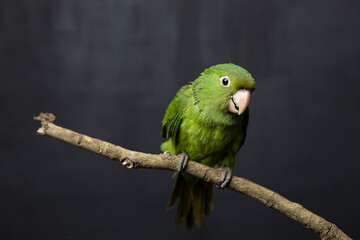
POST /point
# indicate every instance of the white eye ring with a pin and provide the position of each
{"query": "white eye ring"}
(225, 81)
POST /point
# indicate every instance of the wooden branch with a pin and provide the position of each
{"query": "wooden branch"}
(132, 159)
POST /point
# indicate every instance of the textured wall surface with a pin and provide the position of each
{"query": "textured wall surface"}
(109, 68)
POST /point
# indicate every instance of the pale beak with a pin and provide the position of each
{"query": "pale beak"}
(239, 101)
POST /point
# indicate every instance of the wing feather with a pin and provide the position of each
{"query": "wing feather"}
(174, 113)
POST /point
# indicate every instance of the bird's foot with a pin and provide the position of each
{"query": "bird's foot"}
(167, 153)
(225, 178)
(184, 159)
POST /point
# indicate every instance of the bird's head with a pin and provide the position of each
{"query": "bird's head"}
(222, 92)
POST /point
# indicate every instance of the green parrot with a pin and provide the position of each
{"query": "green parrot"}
(206, 122)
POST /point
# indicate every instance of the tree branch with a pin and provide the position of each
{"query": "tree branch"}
(131, 159)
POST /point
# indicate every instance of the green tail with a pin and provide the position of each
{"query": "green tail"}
(195, 200)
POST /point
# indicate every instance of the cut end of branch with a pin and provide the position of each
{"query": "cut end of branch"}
(45, 118)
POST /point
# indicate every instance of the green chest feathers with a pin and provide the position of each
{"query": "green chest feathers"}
(200, 141)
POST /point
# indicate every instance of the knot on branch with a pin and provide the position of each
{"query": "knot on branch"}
(127, 163)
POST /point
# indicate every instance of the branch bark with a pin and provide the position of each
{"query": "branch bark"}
(132, 159)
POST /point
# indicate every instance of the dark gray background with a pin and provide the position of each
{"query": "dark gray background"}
(109, 69)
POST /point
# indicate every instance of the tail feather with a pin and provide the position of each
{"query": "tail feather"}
(184, 206)
(195, 200)
(176, 191)
(208, 200)
(198, 204)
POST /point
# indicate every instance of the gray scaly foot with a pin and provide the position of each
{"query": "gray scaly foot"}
(184, 159)
(226, 177)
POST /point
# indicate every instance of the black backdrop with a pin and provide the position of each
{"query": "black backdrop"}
(109, 68)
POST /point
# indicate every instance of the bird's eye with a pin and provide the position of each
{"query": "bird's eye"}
(225, 81)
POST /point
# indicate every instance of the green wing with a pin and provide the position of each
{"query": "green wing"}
(174, 113)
